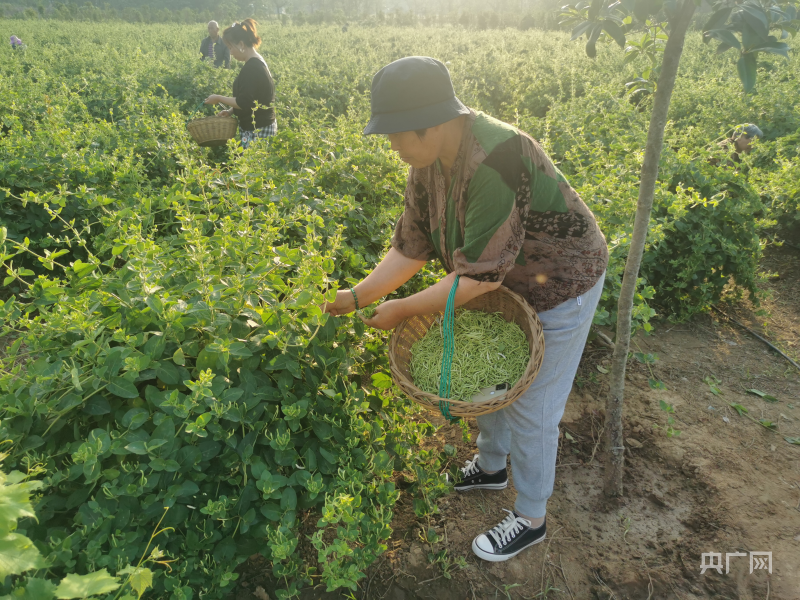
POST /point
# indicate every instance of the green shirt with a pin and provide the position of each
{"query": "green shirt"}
(508, 216)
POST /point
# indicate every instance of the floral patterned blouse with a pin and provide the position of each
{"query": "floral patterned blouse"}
(509, 216)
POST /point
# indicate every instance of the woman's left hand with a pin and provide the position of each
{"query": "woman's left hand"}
(213, 99)
(387, 315)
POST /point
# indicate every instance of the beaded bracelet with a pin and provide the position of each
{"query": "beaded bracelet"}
(352, 291)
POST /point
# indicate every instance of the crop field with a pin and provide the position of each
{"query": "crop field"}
(168, 376)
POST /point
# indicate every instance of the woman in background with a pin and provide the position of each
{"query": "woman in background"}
(253, 88)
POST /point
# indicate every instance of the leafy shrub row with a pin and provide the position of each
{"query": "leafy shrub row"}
(161, 301)
(196, 372)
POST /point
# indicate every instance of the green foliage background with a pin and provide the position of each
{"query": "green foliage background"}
(165, 346)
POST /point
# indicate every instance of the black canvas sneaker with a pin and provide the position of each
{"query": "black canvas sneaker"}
(475, 478)
(508, 539)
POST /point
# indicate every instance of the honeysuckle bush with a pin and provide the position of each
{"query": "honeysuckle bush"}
(20, 556)
(196, 371)
(132, 91)
(163, 339)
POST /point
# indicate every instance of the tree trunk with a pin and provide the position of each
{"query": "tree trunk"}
(647, 186)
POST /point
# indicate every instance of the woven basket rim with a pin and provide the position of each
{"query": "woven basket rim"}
(460, 407)
(211, 117)
(213, 128)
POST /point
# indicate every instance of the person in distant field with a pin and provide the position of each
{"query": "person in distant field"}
(15, 42)
(213, 48)
(485, 200)
(740, 142)
(253, 88)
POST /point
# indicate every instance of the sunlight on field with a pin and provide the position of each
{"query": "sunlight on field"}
(160, 308)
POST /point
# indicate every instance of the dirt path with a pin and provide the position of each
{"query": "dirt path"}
(726, 484)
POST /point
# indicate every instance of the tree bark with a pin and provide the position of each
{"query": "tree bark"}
(655, 140)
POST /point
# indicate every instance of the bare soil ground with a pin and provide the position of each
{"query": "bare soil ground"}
(726, 484)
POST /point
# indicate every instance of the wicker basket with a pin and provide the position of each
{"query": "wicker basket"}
(513, 308)
(212, 131)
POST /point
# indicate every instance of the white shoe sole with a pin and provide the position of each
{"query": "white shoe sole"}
(501, 557)
(484, 486)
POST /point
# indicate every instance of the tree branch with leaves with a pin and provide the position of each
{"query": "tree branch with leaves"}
(653, 29)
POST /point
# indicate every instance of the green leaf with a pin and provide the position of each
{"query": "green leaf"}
(656, 384)
(136, 447)
(602, 369)
(767, 423)
(154, 302)
(97, 405)
(772, 47)
(288, 499)
(168, 373)
(240, 349)
(140, 578)
(14, 348)
(35, 588)
(615, 31)
(122, 388)
(716, 21)
(591, 50)
(723, 48)
(271, 511)
(739, 409)
(322, 429)
(381, 381)
(154, 347)
(594, 9)
(206, 359)
(17, 555)
(115, 359)
(154, 444)
(763, 395)
(280, 363)
(726, 36)
(82, 269)
(135, 418)
(793, 440)
(756, 18)
(580, 29)
(178, 357)
(15, 499)
(746, 66)
(76, 378)
(647, 359)
(303, 298)
(84, 586)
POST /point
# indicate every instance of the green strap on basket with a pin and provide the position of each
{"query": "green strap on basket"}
(448, 335)
(196, 110)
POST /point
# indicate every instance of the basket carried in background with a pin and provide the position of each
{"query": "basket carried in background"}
(212, 131)
(512, 307)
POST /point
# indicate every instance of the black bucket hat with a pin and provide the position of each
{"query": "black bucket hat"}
(412, 93)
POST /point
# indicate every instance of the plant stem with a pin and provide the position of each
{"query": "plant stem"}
(649, 175)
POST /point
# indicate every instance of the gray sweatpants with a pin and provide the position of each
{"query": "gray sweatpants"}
(528, 429)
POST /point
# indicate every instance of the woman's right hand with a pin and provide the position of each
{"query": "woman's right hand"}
(343, 304)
